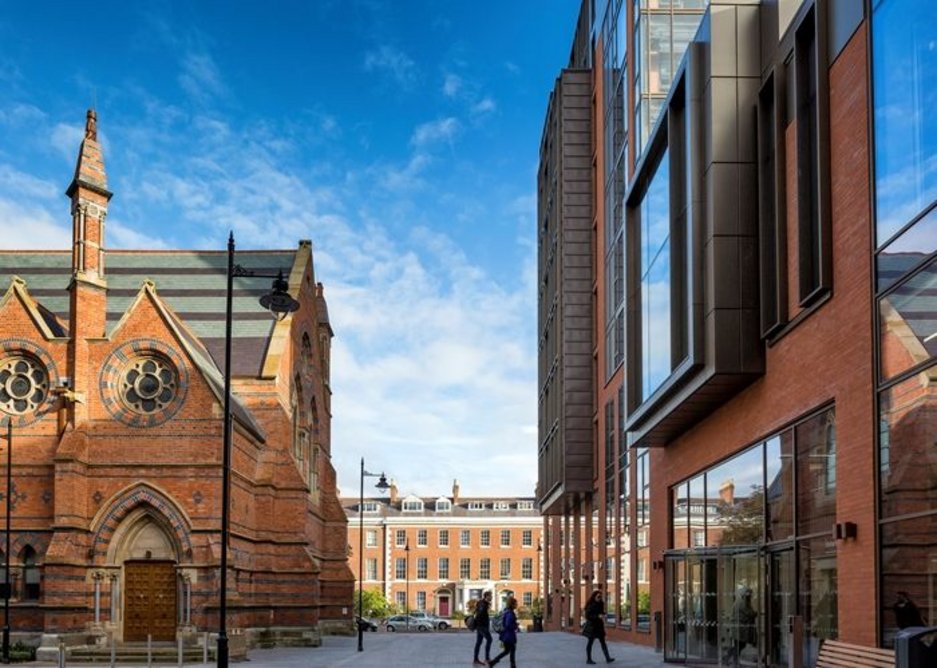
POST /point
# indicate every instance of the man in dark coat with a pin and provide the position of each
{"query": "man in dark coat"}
(482, 628)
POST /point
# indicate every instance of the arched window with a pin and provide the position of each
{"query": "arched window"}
(299, 422)
(30, 574)
(313, 472)
(306, 352)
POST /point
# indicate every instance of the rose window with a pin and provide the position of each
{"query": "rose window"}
(24, 384)
(149, 384)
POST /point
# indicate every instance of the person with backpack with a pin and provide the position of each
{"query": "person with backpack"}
(595, 625)
(482, 630)
(508, 633)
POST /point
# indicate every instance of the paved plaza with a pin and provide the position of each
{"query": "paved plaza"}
(436, 650)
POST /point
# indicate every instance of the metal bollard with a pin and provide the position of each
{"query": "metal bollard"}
(179, 650)
(149, 649)
(205, 649)
(113, 652)
(61, 655)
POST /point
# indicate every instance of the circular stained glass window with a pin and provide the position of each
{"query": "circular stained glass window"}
(24, 384)
(149, 384)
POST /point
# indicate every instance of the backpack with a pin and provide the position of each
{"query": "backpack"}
(497, 623)
(470, 622)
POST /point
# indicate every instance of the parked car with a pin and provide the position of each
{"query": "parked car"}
(400, 622)
(365, 623)
(437, 622)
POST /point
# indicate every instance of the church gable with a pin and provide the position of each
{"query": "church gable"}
(17, 307)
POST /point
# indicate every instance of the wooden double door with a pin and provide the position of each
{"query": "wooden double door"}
(149, 600)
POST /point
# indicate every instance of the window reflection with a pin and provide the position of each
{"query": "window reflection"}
(904, 71)
(908, 250)
(907, 456)
(736, 492)
(816, 474)
(909, 564)
(779, 456)
(655, 280)
(907, 326)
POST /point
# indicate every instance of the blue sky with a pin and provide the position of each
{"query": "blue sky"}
(402, 137)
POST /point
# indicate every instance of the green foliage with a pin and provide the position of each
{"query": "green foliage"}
(644, 602)
(536, 607)
(20, 653)
(374, 604)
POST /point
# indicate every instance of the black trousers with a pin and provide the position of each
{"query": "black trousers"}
(483, 634)
(601, 640)
(509, 649)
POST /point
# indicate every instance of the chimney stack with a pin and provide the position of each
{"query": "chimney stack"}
(455, 492)
(727, 491)
(393, 491)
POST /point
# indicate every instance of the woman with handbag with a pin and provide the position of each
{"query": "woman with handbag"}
(594, 627)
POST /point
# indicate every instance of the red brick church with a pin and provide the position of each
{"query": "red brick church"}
(111, 374)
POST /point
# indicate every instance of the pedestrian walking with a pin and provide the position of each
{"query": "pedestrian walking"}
(594, 627)
(483, 628)
(508, 634)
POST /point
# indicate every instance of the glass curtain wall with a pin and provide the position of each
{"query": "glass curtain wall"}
(662, 30)
(750, 549)
(904, 84)
(614, 30)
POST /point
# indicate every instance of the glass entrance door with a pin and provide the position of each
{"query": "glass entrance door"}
(715, 608)
(780, 607)
(692, 621)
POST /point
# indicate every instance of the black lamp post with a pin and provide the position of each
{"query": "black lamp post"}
(406, 596)
(539, 577)
(6, 554)
(381, 485)
(280, 303)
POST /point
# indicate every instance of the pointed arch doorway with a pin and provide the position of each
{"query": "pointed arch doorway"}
(149, 556)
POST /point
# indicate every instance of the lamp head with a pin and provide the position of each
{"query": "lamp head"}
(382, 484)
(278, 301)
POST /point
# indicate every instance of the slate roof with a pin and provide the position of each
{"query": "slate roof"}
(191, 283)
(460, 509)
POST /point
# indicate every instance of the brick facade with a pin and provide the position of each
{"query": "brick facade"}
(122, 461)
(451, 540)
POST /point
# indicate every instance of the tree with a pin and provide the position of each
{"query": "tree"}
(743, 520)
(374, 604)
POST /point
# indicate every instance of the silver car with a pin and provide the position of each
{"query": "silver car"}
(400, 623)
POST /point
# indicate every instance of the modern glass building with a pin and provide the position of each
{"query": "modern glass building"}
(738, 263)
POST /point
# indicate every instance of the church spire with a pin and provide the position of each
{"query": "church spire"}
(89, 194)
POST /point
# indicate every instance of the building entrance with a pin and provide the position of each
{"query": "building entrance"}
(715, 606)
(149, 600)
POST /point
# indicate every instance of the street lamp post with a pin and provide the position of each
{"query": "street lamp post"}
(406, 596)
(6, 553)
(381, 485)
(539, 576)
(279, 302)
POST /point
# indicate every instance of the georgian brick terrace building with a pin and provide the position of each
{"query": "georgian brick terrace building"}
(110, 372)
(458, 548)
(738, 359)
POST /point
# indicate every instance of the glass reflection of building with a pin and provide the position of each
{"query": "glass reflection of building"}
(904, 82)
(736, 322)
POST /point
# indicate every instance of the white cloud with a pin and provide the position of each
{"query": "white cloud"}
(484, 106)
(66, 138)
(452, 83)
(21, 114)
(442, 130)
(200, 77)
(393, 61)
(29, 225)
